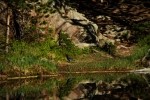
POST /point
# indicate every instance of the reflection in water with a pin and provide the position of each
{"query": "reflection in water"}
(79, 87)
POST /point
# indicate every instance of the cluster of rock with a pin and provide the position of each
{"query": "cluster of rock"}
(78, 31)
(82, 31)
(121, 12)
(111, 32)
(124, 12)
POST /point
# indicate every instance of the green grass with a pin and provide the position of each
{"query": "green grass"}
(36, 55)
(142, 26)
(108, 64)
(27, 55)
(44, 54)
(31, 53)
(117, 63)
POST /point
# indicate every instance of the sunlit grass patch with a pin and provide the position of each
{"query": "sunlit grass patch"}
(24, 56)
(117, 63)
(27, 56)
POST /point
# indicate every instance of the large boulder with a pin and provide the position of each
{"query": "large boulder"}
(80, 30)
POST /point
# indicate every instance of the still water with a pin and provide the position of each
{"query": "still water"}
(108, 86)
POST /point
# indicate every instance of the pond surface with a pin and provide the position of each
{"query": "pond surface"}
(108, 86)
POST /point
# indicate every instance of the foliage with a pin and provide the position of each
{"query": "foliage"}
(144, 41)
(142, 48)
(142, 26)
(141, 30)
(109, 48)
(66, 44)
(66, 47)
(2, 46)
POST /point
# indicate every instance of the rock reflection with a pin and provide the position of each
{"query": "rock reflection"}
(129, 87)
(81, 91)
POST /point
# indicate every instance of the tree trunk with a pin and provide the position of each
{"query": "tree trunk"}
(8, 30)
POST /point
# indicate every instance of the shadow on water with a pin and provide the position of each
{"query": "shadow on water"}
(108, 86)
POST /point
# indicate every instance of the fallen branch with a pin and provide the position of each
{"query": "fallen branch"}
(92, 72)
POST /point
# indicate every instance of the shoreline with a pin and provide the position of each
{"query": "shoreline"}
(61, 73)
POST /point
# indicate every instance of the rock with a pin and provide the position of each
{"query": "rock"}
(118, 40)
(144, 71)
(78, 31)
(122, 47)
(43, 1)
(104, 40)
(102, 17)
(84, 45)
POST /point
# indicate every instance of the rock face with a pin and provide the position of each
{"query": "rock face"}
(80, 30)
(115, 18)
(104, 30)
(78, 27)
(85, 33)
(97, 25)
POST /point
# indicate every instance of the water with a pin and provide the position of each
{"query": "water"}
(108, 86)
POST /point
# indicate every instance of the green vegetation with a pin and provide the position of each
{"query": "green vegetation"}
(69, 48)
(40, 52)
(42, 56)
(143, 26)
(38, 56)
(117, 63)
(109, 48)
(24, 55)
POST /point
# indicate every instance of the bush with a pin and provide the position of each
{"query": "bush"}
(68, 47)
(109, 48)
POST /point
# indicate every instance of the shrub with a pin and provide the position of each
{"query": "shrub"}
(109, 48)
